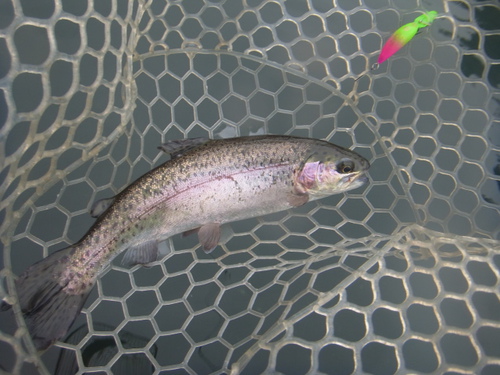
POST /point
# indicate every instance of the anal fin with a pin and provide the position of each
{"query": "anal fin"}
(142, 254)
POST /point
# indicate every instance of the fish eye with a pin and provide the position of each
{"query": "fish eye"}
(345, 167)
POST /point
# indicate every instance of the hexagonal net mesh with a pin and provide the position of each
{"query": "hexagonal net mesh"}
(401, 275)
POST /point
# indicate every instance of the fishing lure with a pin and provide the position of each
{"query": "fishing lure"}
(404, 34)
(397, 41)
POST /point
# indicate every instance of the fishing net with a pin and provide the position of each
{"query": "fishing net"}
(401, 275)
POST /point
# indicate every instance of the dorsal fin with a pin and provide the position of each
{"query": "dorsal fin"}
(100, 206)
(179, 147)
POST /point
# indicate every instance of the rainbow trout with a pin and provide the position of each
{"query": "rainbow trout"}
(206, 183)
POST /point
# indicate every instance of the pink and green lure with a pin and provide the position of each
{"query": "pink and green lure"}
(404, 34)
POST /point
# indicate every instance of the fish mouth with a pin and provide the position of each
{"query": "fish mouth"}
(356, 180)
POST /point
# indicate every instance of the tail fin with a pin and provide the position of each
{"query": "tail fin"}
(48, 308)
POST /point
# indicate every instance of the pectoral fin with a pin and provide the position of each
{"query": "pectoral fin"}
(143, 254)
(100, 206)
(304, 178)
(209, 236)
(296, 199)
(179, 147)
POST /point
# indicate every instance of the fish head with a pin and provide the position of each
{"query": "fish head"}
(329, 174)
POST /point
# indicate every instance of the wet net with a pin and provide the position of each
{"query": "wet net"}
(399, 276)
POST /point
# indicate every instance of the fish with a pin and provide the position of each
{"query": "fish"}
(404, 34)
(206, 183)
